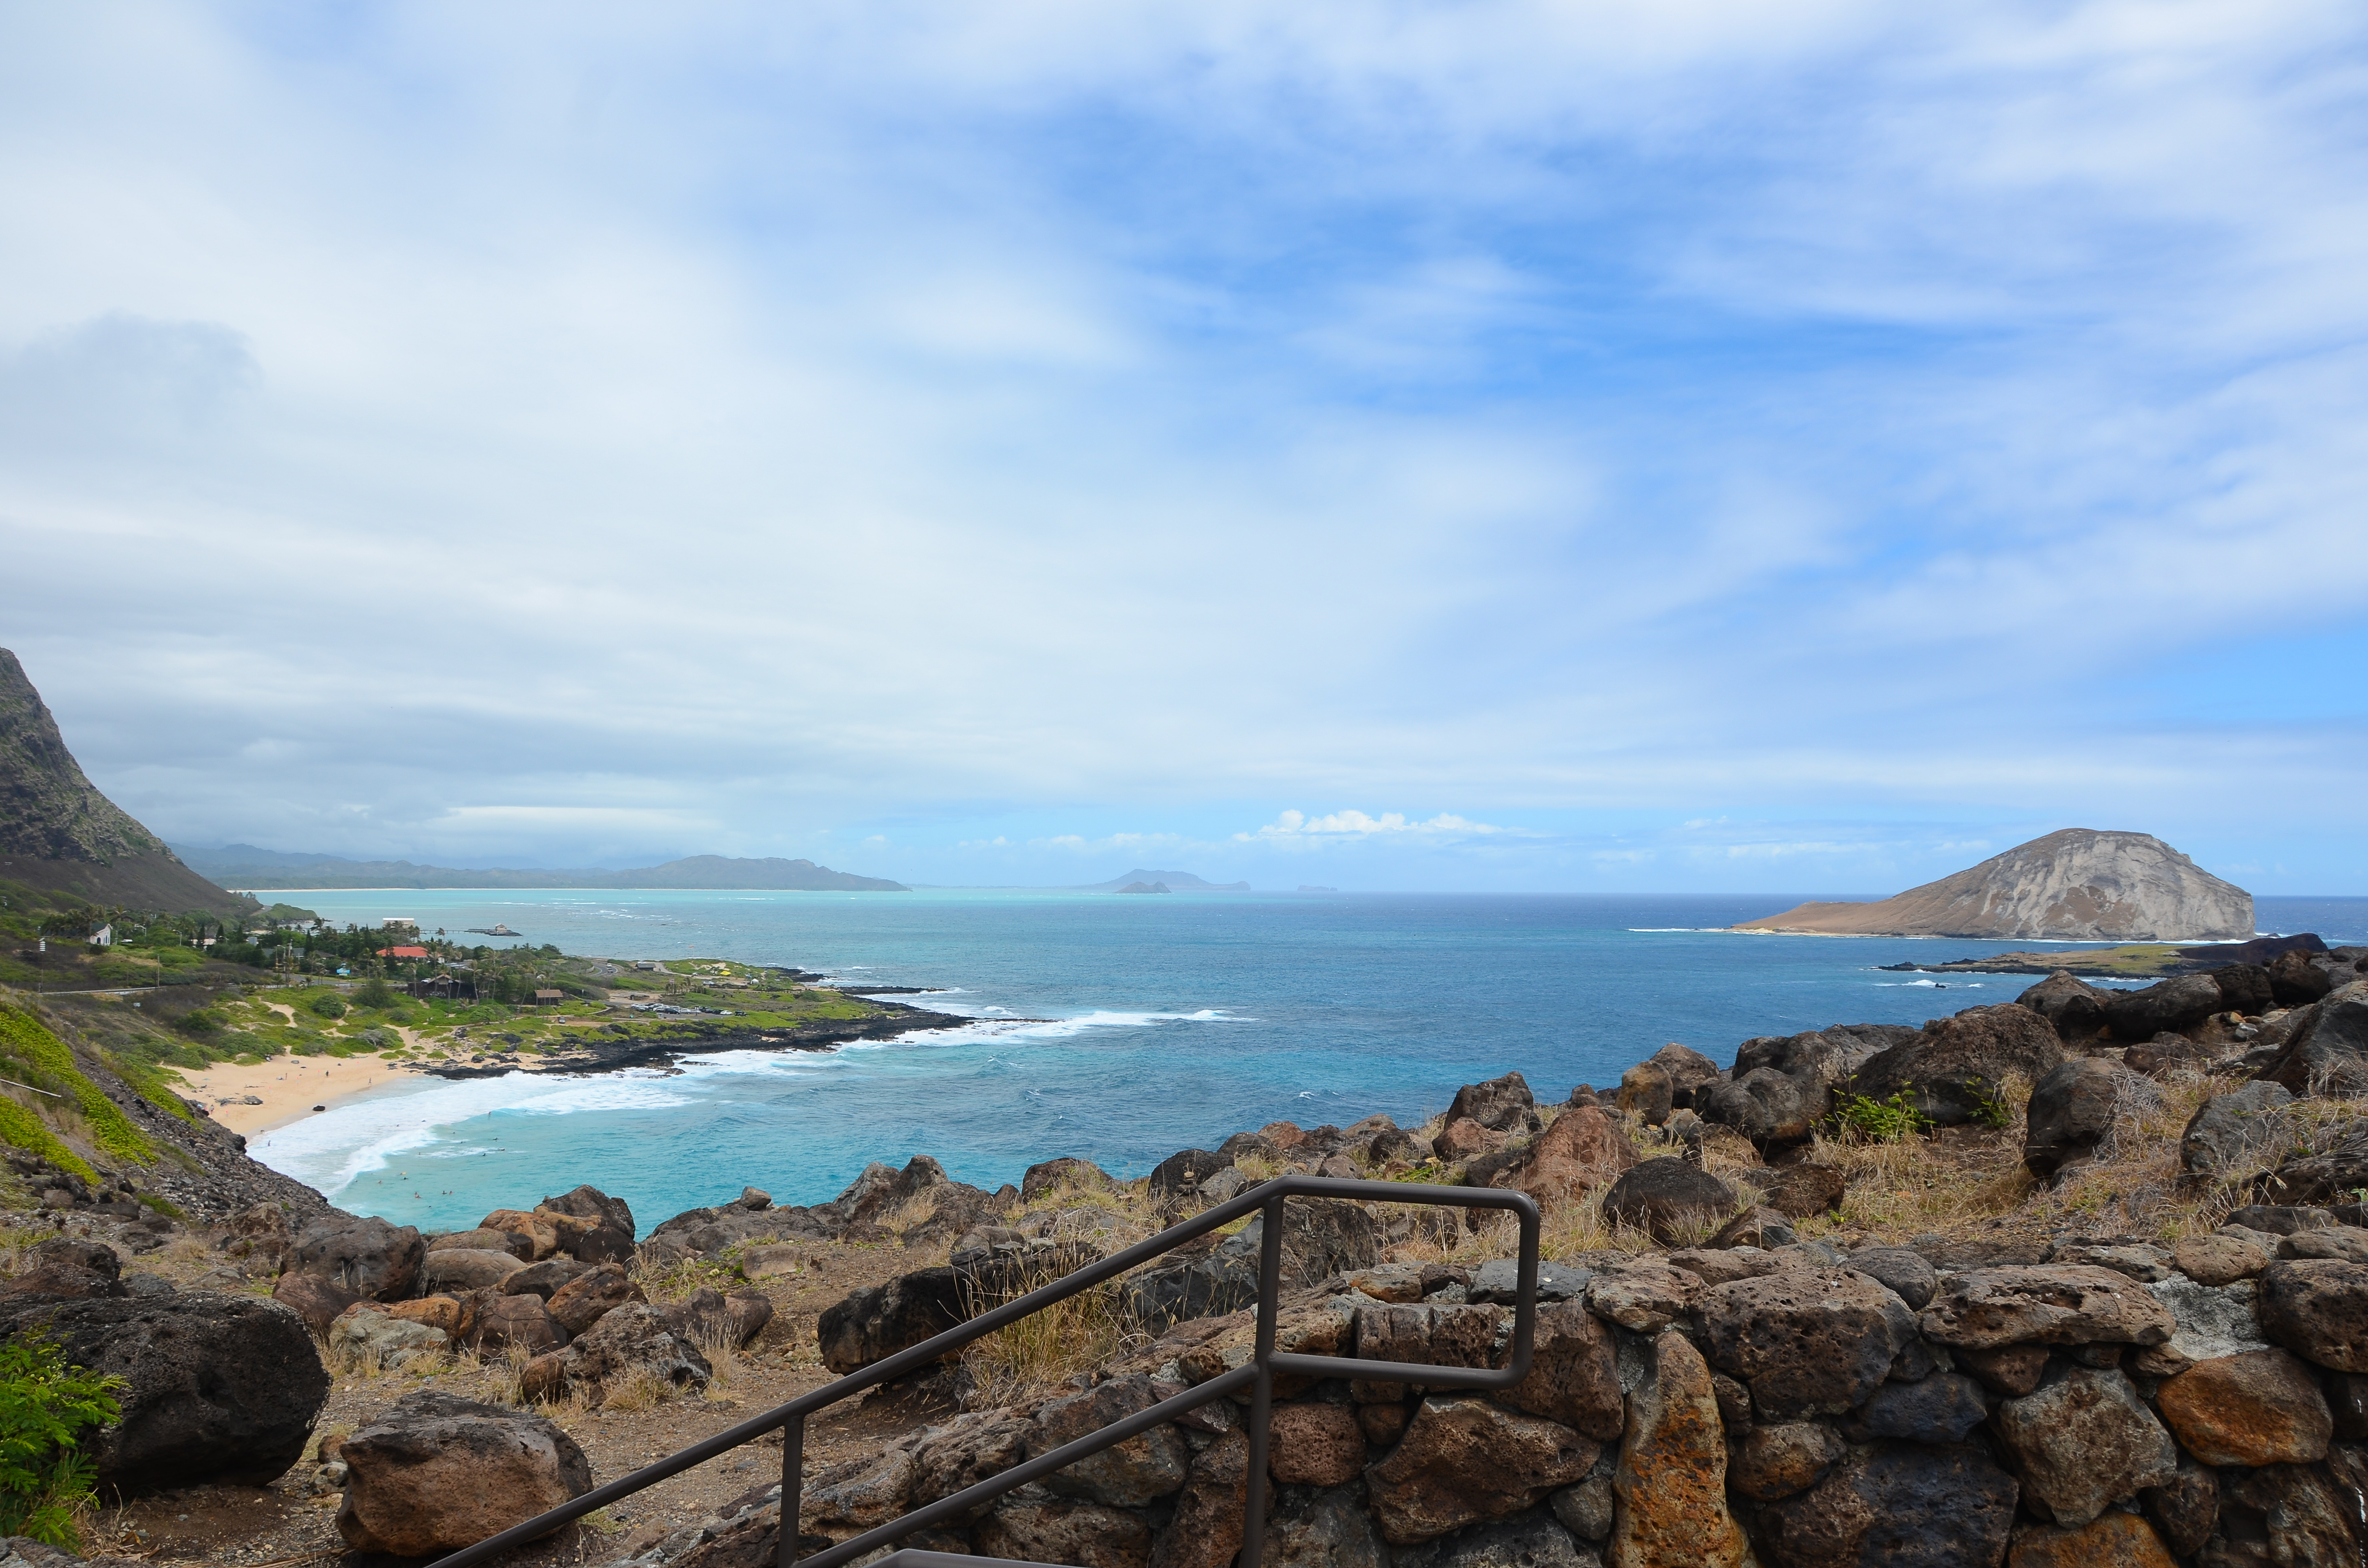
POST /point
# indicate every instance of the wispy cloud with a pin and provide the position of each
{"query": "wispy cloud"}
(1055, 422)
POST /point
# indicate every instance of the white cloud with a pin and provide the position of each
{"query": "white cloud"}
(1347, 827)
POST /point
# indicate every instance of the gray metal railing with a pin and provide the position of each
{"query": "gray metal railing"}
(1258, 1376)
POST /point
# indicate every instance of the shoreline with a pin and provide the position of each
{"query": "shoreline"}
(291, 1089)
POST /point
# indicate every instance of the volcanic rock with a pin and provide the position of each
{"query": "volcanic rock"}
(1501, 1104)
(2260, 1408)
(368, 1257)
(2076, 1007)
(2084, 1443)
(1467, 1460)
(1666, 1197)
(2073, 1110)
(437, 1473)
(2228, 1131)
(1808, 1342)
(1898, 1503)
(1670, 1484)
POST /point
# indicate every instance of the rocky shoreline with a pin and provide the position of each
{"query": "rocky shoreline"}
(701, 1037)
(2145, 1348)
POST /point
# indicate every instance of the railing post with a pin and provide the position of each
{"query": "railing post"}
(793, 1454)
(1262, 1392)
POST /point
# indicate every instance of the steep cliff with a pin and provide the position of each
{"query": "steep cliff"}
(59, 834)
(2075, 885)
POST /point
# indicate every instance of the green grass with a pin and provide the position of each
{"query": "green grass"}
(25, 1039)
(23, 1129)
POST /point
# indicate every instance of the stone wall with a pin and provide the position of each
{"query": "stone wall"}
(2118, 1403)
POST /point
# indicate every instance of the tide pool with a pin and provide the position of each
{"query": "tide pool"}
(1120, 1029)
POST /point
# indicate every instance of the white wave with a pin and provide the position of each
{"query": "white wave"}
(330, 1151)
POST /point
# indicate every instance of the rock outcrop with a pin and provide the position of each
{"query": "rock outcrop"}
(437, 1472)
(2078, 884)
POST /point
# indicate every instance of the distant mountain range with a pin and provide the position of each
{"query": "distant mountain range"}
(1178, 881)
(247, 866)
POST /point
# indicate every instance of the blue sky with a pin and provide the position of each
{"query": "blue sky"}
(1759, 448)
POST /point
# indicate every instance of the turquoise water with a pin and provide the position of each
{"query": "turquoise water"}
(1158, 1024)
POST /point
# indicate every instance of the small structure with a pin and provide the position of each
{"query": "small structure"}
(443, 988)
(549, 998)
(398, 923)
(413, 953)
(103, 937)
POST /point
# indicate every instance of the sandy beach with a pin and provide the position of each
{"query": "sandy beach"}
(290, 1087)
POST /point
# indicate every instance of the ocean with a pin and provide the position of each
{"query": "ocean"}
(1119, 1029)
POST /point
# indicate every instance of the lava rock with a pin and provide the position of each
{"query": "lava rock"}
(318, 1301)
(437, 1472)
(1907, 1273)
(216, 1387)
(1807, 1342)
(2228, 1131)
(1670, 1483)
(1772, 1109)
(1501, 1104)
(2073, 1110)
(1666, 1197)
(1145, 1467)
(368, 1257)
(69, 1268)
(1462, 1461)
(605, 1233)
(2263, 1407)
(2075, 1007)
(2043, 1304)
(2318, 1310)
(2084, 1443)
(1951, 1070)
(2175, 1005)
(591, 1296)
(1898, 1506)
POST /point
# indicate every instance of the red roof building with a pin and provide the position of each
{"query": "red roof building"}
(402, 952)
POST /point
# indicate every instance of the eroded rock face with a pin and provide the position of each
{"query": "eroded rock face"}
(467, 1268)
(2043, 1304)
(2084, 1443)
(605, 1233)
(1582, 1151)
(318, 1301)
(68, 1268)
(2289, 1515)
(1807, 1342)
(2318, 1310)
(2218, 1260)
(437, 1473)
(1668, 1198)
(1670, 1486)
(368, 1257)
(2327, 1050)
(217, 1387)
(1897, 1506)
(635, 1339)
(2260, 1408)
(1466, 1459)
(1316, 1445)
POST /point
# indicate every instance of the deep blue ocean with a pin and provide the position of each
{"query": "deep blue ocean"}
(1168, 1022)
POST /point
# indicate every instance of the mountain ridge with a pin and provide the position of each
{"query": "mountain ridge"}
(59, 833)
(1178, 881)
(283, 868)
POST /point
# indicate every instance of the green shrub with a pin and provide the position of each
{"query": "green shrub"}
(1989, 1108)
(378, 1039)
(1885, 1121)
(373, 993)
(45, 1406)
(203, 1022)
(329, 1004)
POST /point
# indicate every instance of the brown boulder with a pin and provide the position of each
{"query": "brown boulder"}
(443, 1313)
(1466, 1459)
(368, 1257)
(1670, 1486)
(633, 1340)
(1759, 1226)
(2073, 1110)
(2043, 1304)
(2184, 1509)
(1950, 1071)
(1315, 1445)
(1643, 1294)
(585, 1299)
(1646, 1093)
(522, 1321)
(2218, 1260)
(1690, 1072)
(2260, 1408)
(2075, 1007)
(467, 1268)
(437, 1472)
(602, 1231)
(318, 1301)
(1582, 1151)
(1463, 1139)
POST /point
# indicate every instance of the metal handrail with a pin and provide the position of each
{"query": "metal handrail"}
(1258, 1375)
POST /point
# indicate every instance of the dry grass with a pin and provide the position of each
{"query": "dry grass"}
(640, 1389)
(1032, 1357)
